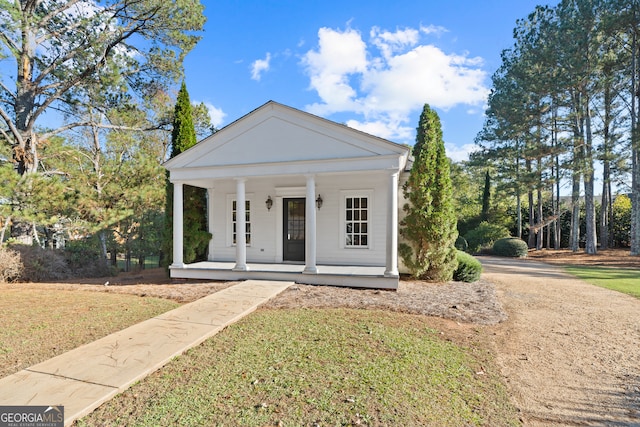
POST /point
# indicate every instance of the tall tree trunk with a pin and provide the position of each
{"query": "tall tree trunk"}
(605, 205)
(540, 220)
(532, 211)
(103, 245)
(532, 220)
(5, 226)
(606, 169)
(36, 237)
(635, 146)
(518, 193)
(591, 246)
(574, 237)
(551, 224)
(557, 223)
(519, 208)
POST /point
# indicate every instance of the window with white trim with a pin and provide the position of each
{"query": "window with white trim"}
(356, 222)
(247, 220)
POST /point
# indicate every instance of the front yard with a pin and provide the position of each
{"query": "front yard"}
(279, 366)
(319, 367)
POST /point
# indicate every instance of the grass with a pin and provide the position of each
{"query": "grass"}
(318, 367)
(621, 280)
(37, 324)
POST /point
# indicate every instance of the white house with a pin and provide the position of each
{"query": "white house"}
(292, 196)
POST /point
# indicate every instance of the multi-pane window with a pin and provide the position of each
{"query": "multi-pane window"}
(357, 221)
(247, 216)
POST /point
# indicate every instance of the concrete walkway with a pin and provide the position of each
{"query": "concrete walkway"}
(84, 378)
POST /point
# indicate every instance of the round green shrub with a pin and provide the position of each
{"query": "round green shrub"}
(484, 235)
(510, 247)
(461, 244)
(469, 268)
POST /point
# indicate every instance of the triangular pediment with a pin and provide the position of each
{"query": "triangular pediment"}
(276, 133)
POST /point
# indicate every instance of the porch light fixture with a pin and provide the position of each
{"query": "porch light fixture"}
(319, 201)
(269, 203)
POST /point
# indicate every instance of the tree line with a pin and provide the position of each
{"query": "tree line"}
(86, 110)
(564, 112)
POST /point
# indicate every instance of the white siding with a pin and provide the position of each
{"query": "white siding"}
(266, 226)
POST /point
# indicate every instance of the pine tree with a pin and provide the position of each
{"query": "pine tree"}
(196, 238)
(429, 228)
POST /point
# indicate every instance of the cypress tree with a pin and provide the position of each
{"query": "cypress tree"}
(196, 236)
(429, 227)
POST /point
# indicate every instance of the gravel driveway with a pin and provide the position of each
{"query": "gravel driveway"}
(570, 351)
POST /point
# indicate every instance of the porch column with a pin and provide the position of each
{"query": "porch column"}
(210, 221)
(392, 227)
(178, 232)
(310, 226)
(241, 226)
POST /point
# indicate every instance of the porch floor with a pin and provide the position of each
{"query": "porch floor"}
(334, 275)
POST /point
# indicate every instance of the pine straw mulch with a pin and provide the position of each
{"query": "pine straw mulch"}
(464, 302)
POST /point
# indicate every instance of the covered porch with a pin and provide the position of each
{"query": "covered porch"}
(323, 262)
(334, 275)
(293, 197)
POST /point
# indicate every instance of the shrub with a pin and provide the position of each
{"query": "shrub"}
(484, 235)
(84, 259)
(469, 268)
(11, 266)
(41, 265)
(461, 244)
(510, 247)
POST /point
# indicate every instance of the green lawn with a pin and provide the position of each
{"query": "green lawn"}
(37, 324)
(621, 280)
(325, 367)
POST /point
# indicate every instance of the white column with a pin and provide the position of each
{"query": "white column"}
(310, 227)
(241, 226)
(392, 227)
(210, 221)
(178, 231)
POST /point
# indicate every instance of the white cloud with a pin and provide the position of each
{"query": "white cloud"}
(339, 56)
(433, 29)
(390, 78)
(386, 129)
(426, 74)
(389, 42)
(259, 66)
(216, 114)
(460, 153)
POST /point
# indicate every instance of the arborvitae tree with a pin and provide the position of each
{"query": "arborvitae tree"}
(196, 238)
(429, 227)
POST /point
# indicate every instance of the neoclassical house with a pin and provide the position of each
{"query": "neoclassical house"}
(292, 196)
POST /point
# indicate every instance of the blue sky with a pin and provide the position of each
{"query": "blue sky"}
(369, 64)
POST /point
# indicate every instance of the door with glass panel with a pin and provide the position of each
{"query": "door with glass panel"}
(293, 229)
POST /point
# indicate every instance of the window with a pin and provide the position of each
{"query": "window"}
(247, 220)
(357, 222)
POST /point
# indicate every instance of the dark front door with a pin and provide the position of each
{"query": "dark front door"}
(293, 228)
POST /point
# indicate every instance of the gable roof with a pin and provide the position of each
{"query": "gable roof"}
(277, 134)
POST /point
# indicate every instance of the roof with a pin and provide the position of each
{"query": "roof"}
(277, 135)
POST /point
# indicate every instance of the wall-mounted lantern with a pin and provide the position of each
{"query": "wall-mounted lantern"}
(269, 203)
(319, 201)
